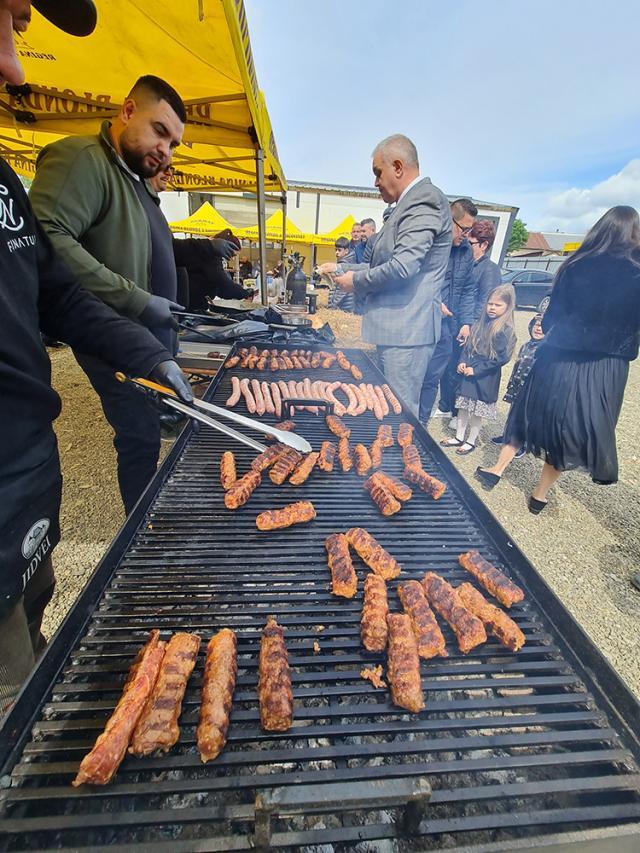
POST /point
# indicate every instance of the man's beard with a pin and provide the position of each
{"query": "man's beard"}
(135, 160)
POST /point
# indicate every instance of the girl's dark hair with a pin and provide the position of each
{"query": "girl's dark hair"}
(484, 330)
(616, 233)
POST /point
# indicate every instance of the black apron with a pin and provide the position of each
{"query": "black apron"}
(30, 497)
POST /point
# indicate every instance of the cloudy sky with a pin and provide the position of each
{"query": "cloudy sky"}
(530, 104)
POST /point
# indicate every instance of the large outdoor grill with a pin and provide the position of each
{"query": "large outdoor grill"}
(512, 751)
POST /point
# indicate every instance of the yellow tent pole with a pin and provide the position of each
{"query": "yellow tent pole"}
(262, 239)
(284, 234)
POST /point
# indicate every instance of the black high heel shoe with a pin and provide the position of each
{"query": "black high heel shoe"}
(536, 506)
(487, 478)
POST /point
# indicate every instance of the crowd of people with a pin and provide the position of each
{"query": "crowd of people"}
(442, 323)
(90, 260)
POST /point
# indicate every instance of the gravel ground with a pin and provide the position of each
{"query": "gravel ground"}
(586, 544)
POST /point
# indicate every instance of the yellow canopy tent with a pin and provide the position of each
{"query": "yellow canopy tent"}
(343, 229)
(273, 231)
(205, 221)
(201, 47)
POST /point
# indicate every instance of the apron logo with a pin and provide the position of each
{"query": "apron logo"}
(34, 537)
(7, 219)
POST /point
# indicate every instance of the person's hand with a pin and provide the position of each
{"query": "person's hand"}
(468, 371)
(462, 367)
(445, 310)
(345, 282)
(327, 269)
(223, 248)
(463, 334)
(168, 373)
(157, 312)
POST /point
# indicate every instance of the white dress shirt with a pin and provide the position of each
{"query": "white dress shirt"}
(407, 188)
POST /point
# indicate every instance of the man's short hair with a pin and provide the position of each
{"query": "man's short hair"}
(369, 222)
(342, 243)
(397, 147)
(150, 87)
(464, 205)
(484, 232)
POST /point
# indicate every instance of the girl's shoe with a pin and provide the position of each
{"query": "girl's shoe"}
(451, 442)
(536, 506)
(487, 478)
(465, 448)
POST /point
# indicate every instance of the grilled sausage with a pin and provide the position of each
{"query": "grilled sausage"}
(344, 455)
(274, 684)
(277, 399)
(268, 457)
(428, 484)
(377, 408)
(493, 580)
(232, 361)
(342, 360)
(284, 466)
(356, 372)
(266, 395)
(373, 622)
(218, 684)
(327, 456)
(361, 408)
(343, 576)
(381, 496)
(428, 635)
(157, 728)
(304, 469)
(393, 400)
(405, 435)
(337, 427)
(468, 629)
(295, 513)
(248, 396)
(495, 621)
(351, 394)
(373, 554)
(240, 492)
(375, 452)
(257, 393)
(399, 490)
(362, 460)
(385, 435)
(227, 470)
(235, 392)
(411, 456)
(403, 664)
(100, 764)
(384, 405)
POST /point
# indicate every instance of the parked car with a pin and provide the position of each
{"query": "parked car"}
(532, 287)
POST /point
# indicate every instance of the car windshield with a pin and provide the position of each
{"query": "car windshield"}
(509, 275)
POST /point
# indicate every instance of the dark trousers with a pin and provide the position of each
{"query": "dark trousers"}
(21, 641)
(437, 366)
(134, 420)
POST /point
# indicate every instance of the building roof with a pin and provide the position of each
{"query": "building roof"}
(556, 239)
(371, 192)
(537, 242)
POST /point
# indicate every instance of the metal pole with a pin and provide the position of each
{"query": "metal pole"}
(262, 240)
(283, 251)
(314, 248)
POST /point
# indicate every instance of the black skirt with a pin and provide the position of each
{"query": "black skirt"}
(568, 409)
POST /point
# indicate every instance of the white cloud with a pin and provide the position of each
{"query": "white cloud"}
(576, 209)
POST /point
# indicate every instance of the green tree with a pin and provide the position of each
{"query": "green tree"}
(519, 235)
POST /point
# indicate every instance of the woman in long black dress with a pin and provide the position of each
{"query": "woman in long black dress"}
(569, 406)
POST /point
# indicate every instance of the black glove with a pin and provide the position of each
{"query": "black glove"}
(223, 248)
(168, 373)
(157, 312)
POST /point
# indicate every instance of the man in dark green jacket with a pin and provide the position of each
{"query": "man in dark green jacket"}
(92, 198)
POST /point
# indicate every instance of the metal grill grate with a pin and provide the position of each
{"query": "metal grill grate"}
(514, 746)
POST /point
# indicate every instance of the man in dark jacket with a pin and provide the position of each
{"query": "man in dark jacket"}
(92, 197)
(39, 293)
(457, 315)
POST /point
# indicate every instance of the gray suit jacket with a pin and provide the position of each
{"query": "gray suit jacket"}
(401, 288)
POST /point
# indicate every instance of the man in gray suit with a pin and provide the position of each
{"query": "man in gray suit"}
(400, 289)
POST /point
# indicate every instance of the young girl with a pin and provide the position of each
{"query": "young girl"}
(490, 345)
(522, 368)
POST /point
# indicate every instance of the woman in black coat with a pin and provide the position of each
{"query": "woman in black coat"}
(569, 406)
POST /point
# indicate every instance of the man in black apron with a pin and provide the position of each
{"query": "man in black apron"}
(39, 294)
